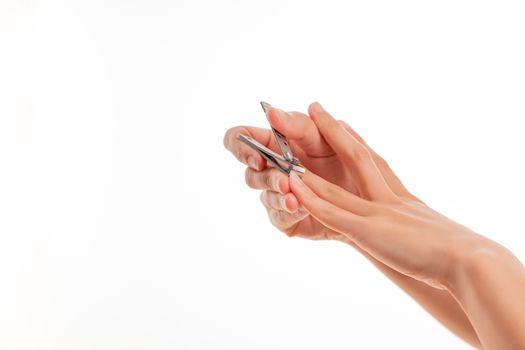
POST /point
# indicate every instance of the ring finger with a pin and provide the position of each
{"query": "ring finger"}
(267, 179)
(274, 200)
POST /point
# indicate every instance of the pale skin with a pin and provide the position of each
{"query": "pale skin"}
(472, 285)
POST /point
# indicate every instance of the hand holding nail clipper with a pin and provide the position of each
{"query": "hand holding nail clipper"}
(469, 283)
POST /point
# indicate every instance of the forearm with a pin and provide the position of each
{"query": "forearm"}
(439, 303)
(489, 283)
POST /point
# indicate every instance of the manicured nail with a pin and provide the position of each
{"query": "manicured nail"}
(296, 180)
(252, 163)
(282, 199)
(317, 107)
(282, 115)
(276, 182)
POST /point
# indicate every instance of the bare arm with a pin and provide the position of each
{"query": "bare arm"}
(489, 283)
(404, 234)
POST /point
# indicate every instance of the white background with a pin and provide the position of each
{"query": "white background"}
(124, 224)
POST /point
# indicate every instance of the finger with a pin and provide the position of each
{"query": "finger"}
(267, 179)
(333, 217)
(337, 195)
(285, 221)
(274, 200)
(300, 130)
(388, 174)
(355, 156)
(243, 152)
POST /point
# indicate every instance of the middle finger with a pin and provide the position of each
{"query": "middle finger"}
(267, 179)
(275, 200)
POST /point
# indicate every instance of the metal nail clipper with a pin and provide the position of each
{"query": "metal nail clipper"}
(286, 162)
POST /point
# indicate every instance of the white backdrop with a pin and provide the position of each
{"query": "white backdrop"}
(124, 224)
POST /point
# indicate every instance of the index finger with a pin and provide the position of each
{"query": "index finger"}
(300, 130)
(243, 152)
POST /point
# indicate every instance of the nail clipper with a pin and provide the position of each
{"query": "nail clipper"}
(286, 162)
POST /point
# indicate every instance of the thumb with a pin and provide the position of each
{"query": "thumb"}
(300, 130)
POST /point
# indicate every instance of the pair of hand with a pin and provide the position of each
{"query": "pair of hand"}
(349, 193)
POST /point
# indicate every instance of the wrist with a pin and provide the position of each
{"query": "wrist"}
(472, 258)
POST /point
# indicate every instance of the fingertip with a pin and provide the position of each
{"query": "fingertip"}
(296, 184)
(310, 178)
(248, 174)
(314, 109)
(274, 118)
(255, 162)
(291, 202)
(252, 162)
(283, 184)
(311, 112)
(261, 163)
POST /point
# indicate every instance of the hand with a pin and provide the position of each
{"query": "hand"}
(314, 153)
(482, 282)
(396, 229)
(318, 156)
(467, 282)
(309, 147)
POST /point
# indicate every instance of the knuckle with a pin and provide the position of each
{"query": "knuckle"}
(359, 153)
(285, 222)
(263, 198)
(267, 179)
(381, 162)
(352, 132)
(394, 200)
(333, 191)
(371, 208)
(249, 177)
(279, 218)
(300, 214)
(358, 138)
(274, 217)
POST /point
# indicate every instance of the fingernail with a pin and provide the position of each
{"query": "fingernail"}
(281, 114)
(296, 180)
(317, 107)
(282, 199)
(252, 162)
(276, 182)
